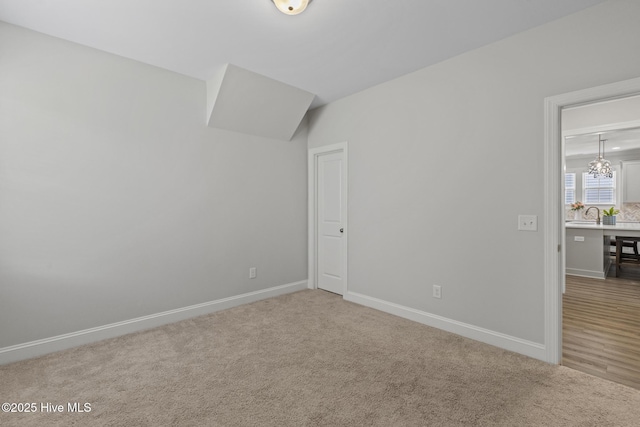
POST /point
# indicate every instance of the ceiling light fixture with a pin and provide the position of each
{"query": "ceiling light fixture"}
(291, 7)
(600, 166)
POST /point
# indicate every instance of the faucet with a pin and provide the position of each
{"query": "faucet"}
(597, 209)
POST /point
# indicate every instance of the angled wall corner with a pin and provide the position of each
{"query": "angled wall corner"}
(243, 101)
(213, 88)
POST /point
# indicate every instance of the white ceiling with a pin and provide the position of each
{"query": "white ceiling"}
(616, 141)
(333, 49)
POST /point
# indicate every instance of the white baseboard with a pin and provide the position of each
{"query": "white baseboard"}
(507, 342)
(61, 342)
(585, 273)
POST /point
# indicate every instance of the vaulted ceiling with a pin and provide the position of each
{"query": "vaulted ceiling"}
(333, 49)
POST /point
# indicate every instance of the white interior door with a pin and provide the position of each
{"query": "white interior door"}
(331, 222)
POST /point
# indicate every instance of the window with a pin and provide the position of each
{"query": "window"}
(569, 188)
(600, 190)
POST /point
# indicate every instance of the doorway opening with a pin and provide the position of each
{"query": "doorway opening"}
(555, 213)
(601, 304)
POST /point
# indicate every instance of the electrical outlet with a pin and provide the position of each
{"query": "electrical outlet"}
(437, 291)
(528, 222)
(253, 273)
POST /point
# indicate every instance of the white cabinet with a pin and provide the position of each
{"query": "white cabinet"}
(631, 181)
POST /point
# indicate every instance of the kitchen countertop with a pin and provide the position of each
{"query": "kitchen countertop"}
(620, 228)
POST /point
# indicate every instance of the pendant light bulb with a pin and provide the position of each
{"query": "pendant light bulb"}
(291, 7)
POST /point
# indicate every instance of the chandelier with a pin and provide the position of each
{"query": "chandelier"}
(600, 166)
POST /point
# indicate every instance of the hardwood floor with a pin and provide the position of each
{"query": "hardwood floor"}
(601, 326)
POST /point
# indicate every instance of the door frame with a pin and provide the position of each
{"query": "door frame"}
(314, 154)
(554, 227)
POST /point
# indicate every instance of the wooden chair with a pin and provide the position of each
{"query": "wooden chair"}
(621, 257)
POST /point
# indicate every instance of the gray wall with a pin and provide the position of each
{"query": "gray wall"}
(419, 218)
(117, 201)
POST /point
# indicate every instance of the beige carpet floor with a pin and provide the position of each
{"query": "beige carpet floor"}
(307, 359)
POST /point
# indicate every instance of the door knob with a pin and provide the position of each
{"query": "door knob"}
(342, 230)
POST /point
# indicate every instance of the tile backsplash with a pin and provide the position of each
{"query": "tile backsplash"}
(629, 212)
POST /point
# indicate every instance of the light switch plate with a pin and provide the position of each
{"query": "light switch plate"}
(528, 222)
